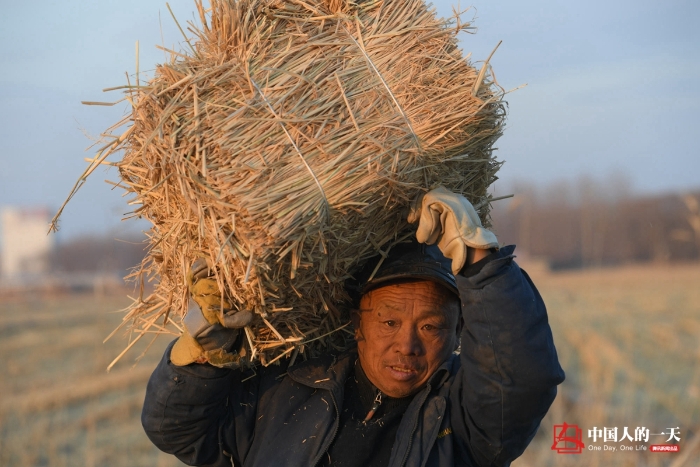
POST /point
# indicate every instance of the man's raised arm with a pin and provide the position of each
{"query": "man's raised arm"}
(509, 366)
(197, 407)
(510, 369)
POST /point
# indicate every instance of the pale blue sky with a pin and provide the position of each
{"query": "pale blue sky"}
(611, 86)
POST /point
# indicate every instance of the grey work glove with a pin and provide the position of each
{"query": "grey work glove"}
(211, 326)
(450, 220)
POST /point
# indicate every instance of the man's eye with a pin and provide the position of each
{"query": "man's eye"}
(391, 323)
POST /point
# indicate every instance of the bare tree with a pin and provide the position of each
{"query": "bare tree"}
(594, 223)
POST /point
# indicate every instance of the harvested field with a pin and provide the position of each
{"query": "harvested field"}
(58, 405)
(629, 341)
(627, 338)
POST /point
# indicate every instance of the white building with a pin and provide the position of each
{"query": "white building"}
(25, 243)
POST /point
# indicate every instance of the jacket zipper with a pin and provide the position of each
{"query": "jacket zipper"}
(415, 425)
(375, 405)
(335, 431)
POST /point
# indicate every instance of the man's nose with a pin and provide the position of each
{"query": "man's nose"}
(408, 341)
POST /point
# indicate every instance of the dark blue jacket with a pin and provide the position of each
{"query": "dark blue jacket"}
(480, 408)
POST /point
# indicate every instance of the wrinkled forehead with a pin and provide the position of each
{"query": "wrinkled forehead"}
(427, 296)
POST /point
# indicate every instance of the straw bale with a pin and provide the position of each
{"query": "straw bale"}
(284, 145)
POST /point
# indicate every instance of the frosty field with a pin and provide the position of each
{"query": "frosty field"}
(628, 339)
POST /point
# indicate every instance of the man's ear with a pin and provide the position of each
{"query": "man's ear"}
(460, 326)
(458, 330)
(356, 317)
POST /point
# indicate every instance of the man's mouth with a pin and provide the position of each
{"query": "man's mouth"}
(403, 373)
(403, 369)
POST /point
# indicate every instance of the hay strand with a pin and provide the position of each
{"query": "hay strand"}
(285, 144)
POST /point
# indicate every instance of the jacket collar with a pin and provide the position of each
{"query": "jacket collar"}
(443, 373)
(327, 372)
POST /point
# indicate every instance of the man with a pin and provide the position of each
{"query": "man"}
(403, 397)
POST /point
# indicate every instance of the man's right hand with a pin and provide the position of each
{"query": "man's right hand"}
(212, 326)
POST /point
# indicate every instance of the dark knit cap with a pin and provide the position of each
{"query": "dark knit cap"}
(407, 261)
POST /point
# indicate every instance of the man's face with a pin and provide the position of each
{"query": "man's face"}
(404, 333)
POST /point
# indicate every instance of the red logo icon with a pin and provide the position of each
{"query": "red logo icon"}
(665, 448)
(567, 439)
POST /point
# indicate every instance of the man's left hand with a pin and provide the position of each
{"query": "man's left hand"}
(450, 220)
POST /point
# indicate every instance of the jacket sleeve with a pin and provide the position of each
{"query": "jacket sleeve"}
(202, 414)
(509, 366)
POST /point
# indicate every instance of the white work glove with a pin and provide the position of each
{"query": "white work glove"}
(450, 220)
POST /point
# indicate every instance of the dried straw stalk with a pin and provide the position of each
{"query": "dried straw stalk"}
(285, 145)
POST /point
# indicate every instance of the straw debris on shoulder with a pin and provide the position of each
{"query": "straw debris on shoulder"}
(285, 145)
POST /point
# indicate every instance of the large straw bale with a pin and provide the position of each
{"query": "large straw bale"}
(285, 144)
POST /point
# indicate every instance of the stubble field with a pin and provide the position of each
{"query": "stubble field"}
(58, 405)
(628, 339)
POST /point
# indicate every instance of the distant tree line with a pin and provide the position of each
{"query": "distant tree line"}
(592, 224)
(588, 224)
(98, 254)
